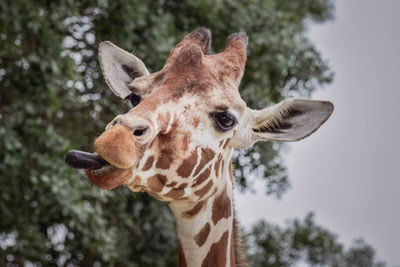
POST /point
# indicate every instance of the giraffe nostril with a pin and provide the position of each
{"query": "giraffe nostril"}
(115, 122)
(139, 132)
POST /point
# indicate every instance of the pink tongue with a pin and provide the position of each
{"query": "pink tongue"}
(84, 160)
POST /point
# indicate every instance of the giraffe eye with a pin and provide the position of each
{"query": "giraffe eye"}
(224, 121)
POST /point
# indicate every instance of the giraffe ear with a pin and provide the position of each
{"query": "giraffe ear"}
(120, 68)
(291, 120)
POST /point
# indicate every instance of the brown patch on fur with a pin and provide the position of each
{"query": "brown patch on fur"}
(175, 193)
(202, 177)
(157, 182)
(136, 182)
(217, 254)
(226, 143)
(231, 170)
(206, 156)
(165, 159)
(182, 186)
(217, 165)
(148, 164)
(221, 207)
(171, 184)
(196, 121)
(202, 235)
(195, 210)
(186, 168)
(204, 190)
(185, 142)
(221, 143)
(232, 249)
(181, 255)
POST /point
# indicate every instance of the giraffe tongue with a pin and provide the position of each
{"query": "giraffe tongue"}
(84, 160)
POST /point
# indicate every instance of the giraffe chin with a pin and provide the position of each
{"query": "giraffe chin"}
(109, 176)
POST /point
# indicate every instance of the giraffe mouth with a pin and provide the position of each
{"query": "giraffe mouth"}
(100, 172)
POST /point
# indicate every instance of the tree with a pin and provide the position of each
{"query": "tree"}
(305, 241)
(53, 98)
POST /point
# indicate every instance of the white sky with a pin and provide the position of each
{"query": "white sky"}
(348, 172)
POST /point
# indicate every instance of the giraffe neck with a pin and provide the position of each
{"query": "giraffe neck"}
(207, 231)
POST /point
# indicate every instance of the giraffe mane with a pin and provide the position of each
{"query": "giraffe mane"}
(240, 257)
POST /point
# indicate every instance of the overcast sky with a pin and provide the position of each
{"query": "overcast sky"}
(348, 172)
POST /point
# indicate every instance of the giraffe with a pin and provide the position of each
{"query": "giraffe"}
(176, 143)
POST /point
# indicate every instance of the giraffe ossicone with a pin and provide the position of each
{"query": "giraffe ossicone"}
(176, 143)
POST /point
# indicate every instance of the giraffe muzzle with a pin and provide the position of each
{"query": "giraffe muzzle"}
(84, 160)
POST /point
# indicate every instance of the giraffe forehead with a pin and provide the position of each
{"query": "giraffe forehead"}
(192, 96)
(205, 88)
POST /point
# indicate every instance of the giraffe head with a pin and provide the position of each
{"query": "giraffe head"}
(186, 120)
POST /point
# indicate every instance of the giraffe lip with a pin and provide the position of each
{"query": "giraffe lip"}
(84, 160)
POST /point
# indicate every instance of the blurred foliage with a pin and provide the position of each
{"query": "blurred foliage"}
(53, 98)
(305, 242)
